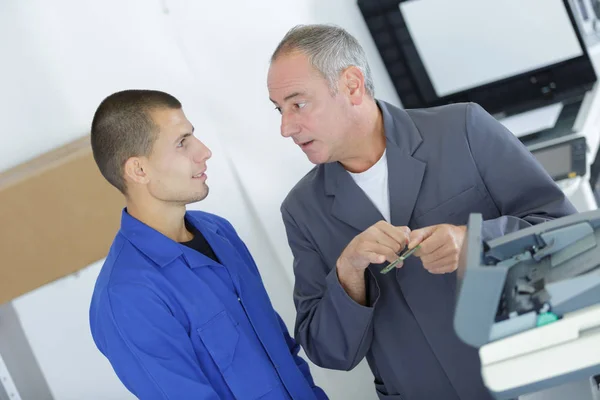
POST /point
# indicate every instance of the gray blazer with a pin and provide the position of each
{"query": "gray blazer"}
(443, 164)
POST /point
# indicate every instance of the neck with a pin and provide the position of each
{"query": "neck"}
(167, 219)
(369, 143)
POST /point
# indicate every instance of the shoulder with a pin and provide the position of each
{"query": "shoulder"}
(308, 188)
(123, 264)
(452, 117)
(125, 270)
(447, 118)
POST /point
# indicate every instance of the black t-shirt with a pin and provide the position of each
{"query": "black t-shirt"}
(199, 243)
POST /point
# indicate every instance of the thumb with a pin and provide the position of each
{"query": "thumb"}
(418, 235)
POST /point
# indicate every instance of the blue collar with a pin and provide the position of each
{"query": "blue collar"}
(156, 246)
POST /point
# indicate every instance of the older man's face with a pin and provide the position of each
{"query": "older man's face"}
(311, 115)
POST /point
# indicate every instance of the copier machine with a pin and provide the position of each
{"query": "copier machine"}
(530, 301)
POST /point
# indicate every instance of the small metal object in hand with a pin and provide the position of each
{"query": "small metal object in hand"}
(402, 257)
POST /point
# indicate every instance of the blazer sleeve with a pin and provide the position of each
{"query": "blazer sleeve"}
(335, 331)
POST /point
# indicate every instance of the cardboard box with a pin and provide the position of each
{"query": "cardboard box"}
(57, 215)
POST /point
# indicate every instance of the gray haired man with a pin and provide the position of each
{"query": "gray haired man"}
(388, 178)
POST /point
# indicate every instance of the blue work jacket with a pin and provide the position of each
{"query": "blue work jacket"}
(173, 328)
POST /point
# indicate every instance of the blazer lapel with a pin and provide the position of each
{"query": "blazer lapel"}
(350, 205)
(405, 175)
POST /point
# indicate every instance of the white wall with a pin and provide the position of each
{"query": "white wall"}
(61, 58)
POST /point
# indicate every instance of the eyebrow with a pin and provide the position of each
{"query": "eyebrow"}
(290, 96)
(183, 136)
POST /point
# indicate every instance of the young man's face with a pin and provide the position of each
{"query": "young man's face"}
(311, 115)
(176, 167)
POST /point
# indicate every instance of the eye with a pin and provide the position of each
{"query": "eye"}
(300, 105)
(278, 109)
(180, 144)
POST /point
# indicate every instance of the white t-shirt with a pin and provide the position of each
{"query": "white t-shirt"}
(374, 182)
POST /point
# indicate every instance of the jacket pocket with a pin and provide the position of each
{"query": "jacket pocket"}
(454, 210)
(220, 336)
(244, 366)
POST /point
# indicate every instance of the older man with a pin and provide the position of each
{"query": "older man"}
(387, 178)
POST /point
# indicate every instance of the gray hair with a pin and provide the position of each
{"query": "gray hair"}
(330, 50)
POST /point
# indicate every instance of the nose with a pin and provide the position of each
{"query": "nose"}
(202, 154)
(289, 126)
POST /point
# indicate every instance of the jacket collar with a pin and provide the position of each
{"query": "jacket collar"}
(156, 246)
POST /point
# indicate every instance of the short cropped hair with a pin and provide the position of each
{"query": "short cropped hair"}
(123, 127)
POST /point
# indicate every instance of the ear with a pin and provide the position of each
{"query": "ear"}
(353, 82)
(134, 171)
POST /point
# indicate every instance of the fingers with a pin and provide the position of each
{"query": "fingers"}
(439, 251)
(438, 245)
(443, 265)
(419, 235)
(399, 234)
(433, 238)
(430, 245)
(378, 243)
(373, 257)
(430, 253)
(381, 250)
(378, 236)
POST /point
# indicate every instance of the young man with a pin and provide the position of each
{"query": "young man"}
(388, 177)
(179, 308)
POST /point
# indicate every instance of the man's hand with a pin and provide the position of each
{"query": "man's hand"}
(380, 242)
(440, 246)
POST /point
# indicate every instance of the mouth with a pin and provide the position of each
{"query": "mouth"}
(200, 175)
(305, 145)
